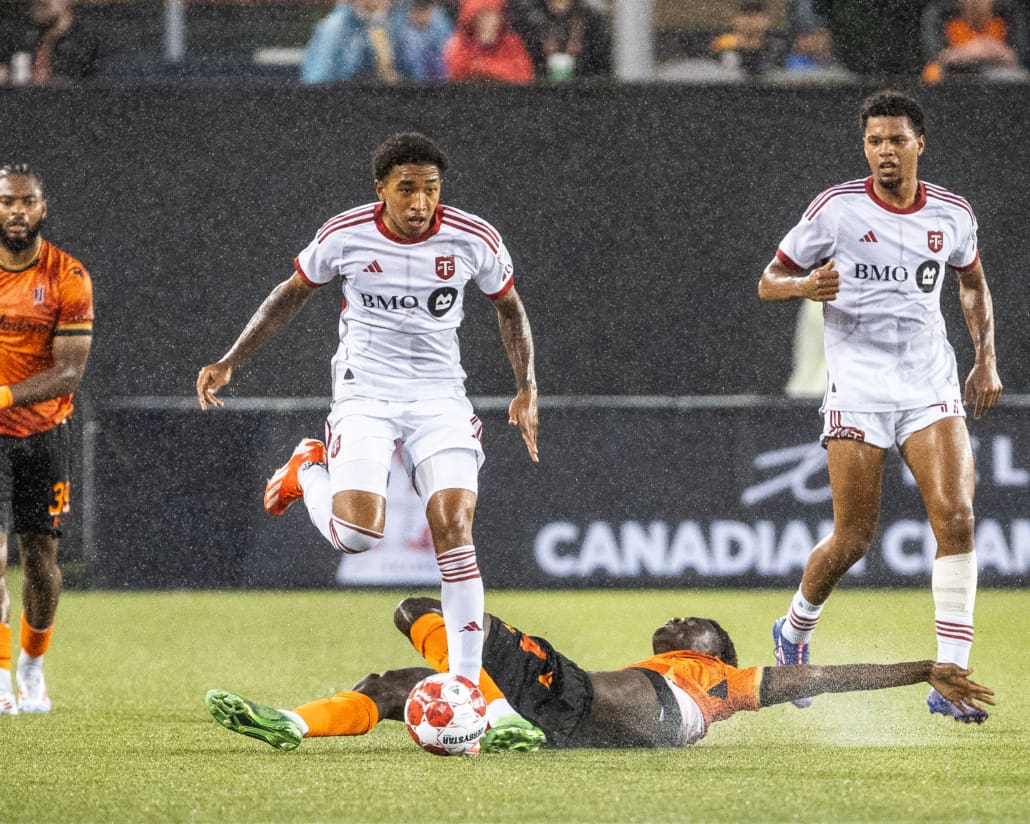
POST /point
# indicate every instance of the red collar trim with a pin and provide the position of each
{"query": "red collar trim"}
(434, 227)
(915, 207)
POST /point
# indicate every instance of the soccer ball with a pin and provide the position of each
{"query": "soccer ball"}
(446, 714)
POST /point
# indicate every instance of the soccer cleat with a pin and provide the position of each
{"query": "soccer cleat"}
(939, 704)
(789, 653)
(512, 735)
(283, 488)
(236, 713)
(32, 694)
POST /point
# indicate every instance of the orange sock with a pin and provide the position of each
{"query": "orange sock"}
(34, 642)
(5, 647)
(429, 636)
(346, 713)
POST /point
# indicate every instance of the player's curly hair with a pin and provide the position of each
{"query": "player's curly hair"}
(21, 169)
(892, 103)
(406, 147)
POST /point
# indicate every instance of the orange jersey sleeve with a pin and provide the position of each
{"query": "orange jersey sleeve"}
(51, 298)
(719, 689)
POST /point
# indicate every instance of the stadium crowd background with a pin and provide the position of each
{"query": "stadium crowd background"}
(715, 40)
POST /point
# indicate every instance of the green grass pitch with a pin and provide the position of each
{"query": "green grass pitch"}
(129, 739)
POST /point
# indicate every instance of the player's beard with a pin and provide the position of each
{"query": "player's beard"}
(20, 244)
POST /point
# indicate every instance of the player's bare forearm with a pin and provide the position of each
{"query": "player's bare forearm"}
(70, 354)
(275, 313)
(517, 338)
(983, 385)
(518, 343)
(779, 283)
(781, 684)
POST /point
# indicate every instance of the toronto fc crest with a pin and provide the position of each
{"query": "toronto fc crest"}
(934, 239)
(445, 268)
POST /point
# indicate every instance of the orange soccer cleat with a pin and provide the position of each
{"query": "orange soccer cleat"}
(283, 488)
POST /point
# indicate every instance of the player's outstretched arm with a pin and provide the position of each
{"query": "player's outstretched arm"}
(518, 343)
(780, 684)
(275, 313)
(983, 386)
(781, 283)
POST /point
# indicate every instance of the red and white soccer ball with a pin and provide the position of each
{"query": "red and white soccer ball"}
(446, 714)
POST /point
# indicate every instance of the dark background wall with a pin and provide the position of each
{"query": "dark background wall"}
(639, 218)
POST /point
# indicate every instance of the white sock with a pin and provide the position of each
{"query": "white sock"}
(801, 619)
(499, 708)
(318, 497)
(26, 661)
(462, 603)
(954, 592)
(300, 721)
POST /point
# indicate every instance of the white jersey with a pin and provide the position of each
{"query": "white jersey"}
(403, 299)
(886, 345)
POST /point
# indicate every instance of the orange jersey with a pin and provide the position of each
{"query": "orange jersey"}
(52, 297)
(718, 689)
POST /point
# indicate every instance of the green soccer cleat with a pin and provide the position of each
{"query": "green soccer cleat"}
(512, 735)
(236, 713)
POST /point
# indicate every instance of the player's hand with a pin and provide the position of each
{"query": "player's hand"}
(952, 682)
(212, 378)
(522, 412)
(983, 388)
(822, 284)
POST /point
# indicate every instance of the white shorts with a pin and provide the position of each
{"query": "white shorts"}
(885, 429)
(362, 435)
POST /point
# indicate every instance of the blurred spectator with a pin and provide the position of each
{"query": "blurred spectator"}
(565, 38)
(53, 48)
(973, 37)
(356, 40)
(422, 36)
(751, 45)
(809, 37)
(484, 46)
(874, 37)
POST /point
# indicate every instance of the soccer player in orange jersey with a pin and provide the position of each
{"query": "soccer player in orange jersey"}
(668, 700)
(46, 326)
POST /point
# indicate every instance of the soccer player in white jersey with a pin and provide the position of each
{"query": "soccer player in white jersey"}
(403, 261)
(874, 253)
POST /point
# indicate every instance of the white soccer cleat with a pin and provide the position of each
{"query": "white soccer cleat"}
(32, 694)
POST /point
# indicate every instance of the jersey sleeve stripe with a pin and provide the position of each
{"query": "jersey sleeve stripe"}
(970, 265)
(345, 224)
(954, 200)
(85, 328)
(447, 221)
(852, 187)
(504, 290)
(300, 271)
(786, 260)
(466, 219)
(350, 214)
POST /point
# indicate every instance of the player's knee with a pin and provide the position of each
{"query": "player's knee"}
(850, 546)
(410, 610)
(352, 538)
(954, 525)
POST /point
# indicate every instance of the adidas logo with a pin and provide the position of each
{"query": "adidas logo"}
(471, 626)
(373, 267)
(868, 237)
